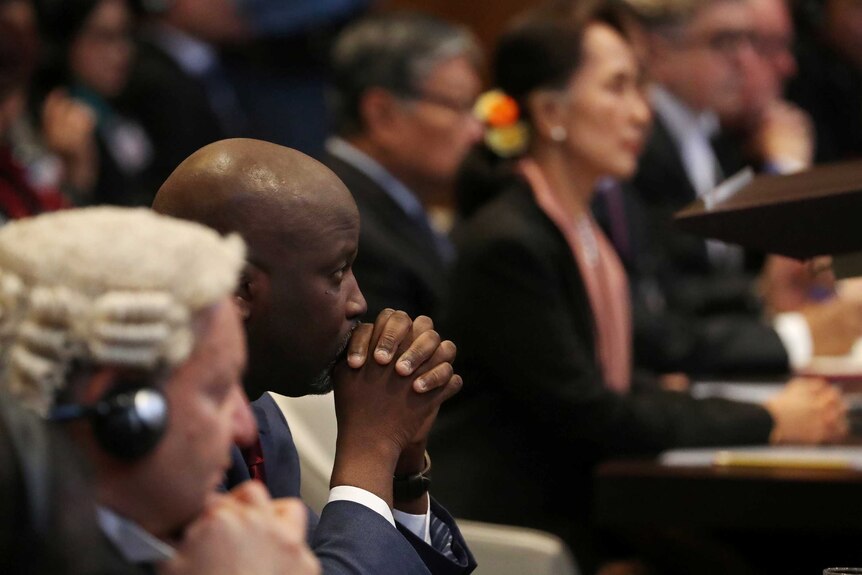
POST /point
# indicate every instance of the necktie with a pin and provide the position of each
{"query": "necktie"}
(441, 538)
(253, 456)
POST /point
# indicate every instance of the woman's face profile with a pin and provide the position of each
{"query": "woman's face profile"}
(606, 114)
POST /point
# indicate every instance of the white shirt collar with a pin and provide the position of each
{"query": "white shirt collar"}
(192, 54)
(130, 539)
(691, 132)
(680, 119)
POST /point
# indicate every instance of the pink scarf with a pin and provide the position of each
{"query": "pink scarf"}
(603, 274)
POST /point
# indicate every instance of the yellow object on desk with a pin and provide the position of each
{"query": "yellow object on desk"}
(767, 456)
(803, 459)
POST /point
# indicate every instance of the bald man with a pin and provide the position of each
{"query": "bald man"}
(301, 303)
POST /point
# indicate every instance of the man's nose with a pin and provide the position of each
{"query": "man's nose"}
(244, 424)
(356, 304)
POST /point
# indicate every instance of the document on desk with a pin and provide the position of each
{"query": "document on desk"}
(821, 457)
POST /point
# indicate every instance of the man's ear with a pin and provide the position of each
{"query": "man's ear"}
(253, 285)
(379, 110)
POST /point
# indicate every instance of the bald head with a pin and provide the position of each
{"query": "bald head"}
(252, 187)
(301, 229)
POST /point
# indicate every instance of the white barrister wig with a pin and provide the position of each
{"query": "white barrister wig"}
(104, 286)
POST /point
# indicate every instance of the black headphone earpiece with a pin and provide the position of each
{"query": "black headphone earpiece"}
(128, 421)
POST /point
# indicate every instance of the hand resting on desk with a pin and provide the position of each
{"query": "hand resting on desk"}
(835, 325)
(808, 411)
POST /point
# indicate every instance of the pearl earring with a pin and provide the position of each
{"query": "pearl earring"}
(558, 133)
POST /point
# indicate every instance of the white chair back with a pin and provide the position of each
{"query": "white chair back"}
(499, 549)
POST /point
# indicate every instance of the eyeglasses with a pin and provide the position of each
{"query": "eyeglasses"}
(727, 42)
(461, 107)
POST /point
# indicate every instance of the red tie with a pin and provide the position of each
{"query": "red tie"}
(253, 456)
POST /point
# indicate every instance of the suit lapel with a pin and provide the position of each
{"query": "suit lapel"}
(280, 457)
(383, 221)
(582, 315)
(663, 187)
(663, 158)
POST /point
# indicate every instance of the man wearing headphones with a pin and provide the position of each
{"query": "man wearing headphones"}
(118, 322)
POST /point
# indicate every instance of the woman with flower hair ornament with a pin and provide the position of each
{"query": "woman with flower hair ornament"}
(531, 255)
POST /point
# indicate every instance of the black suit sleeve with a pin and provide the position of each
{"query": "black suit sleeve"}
(521, 327)
(667, 339)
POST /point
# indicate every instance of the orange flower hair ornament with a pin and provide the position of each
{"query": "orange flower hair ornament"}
(505, 134)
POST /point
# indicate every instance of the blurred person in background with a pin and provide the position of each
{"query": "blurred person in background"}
(404, 86)
(696, 57)
(276, 55)
(282, 71)
(179, 87)
(777, 136)
(19, 195)
(709, 68)
(86, 54)
(54, 139)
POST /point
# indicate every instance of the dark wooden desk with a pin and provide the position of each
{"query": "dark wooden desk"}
(780, 521)
(787, 521)
(644, 492)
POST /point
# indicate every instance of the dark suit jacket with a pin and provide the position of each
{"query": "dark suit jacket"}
(347, 537)
(709, 321)
(112, 562)
(689, 280)
(116, 184)
(48, 512)
(518, 444)
(668, 339)
(398, 265)
(829, 87)
(172, 106)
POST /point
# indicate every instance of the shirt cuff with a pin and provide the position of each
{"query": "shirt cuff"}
(784, 166)
(794, 333)
(363, 497)
(419, 525)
